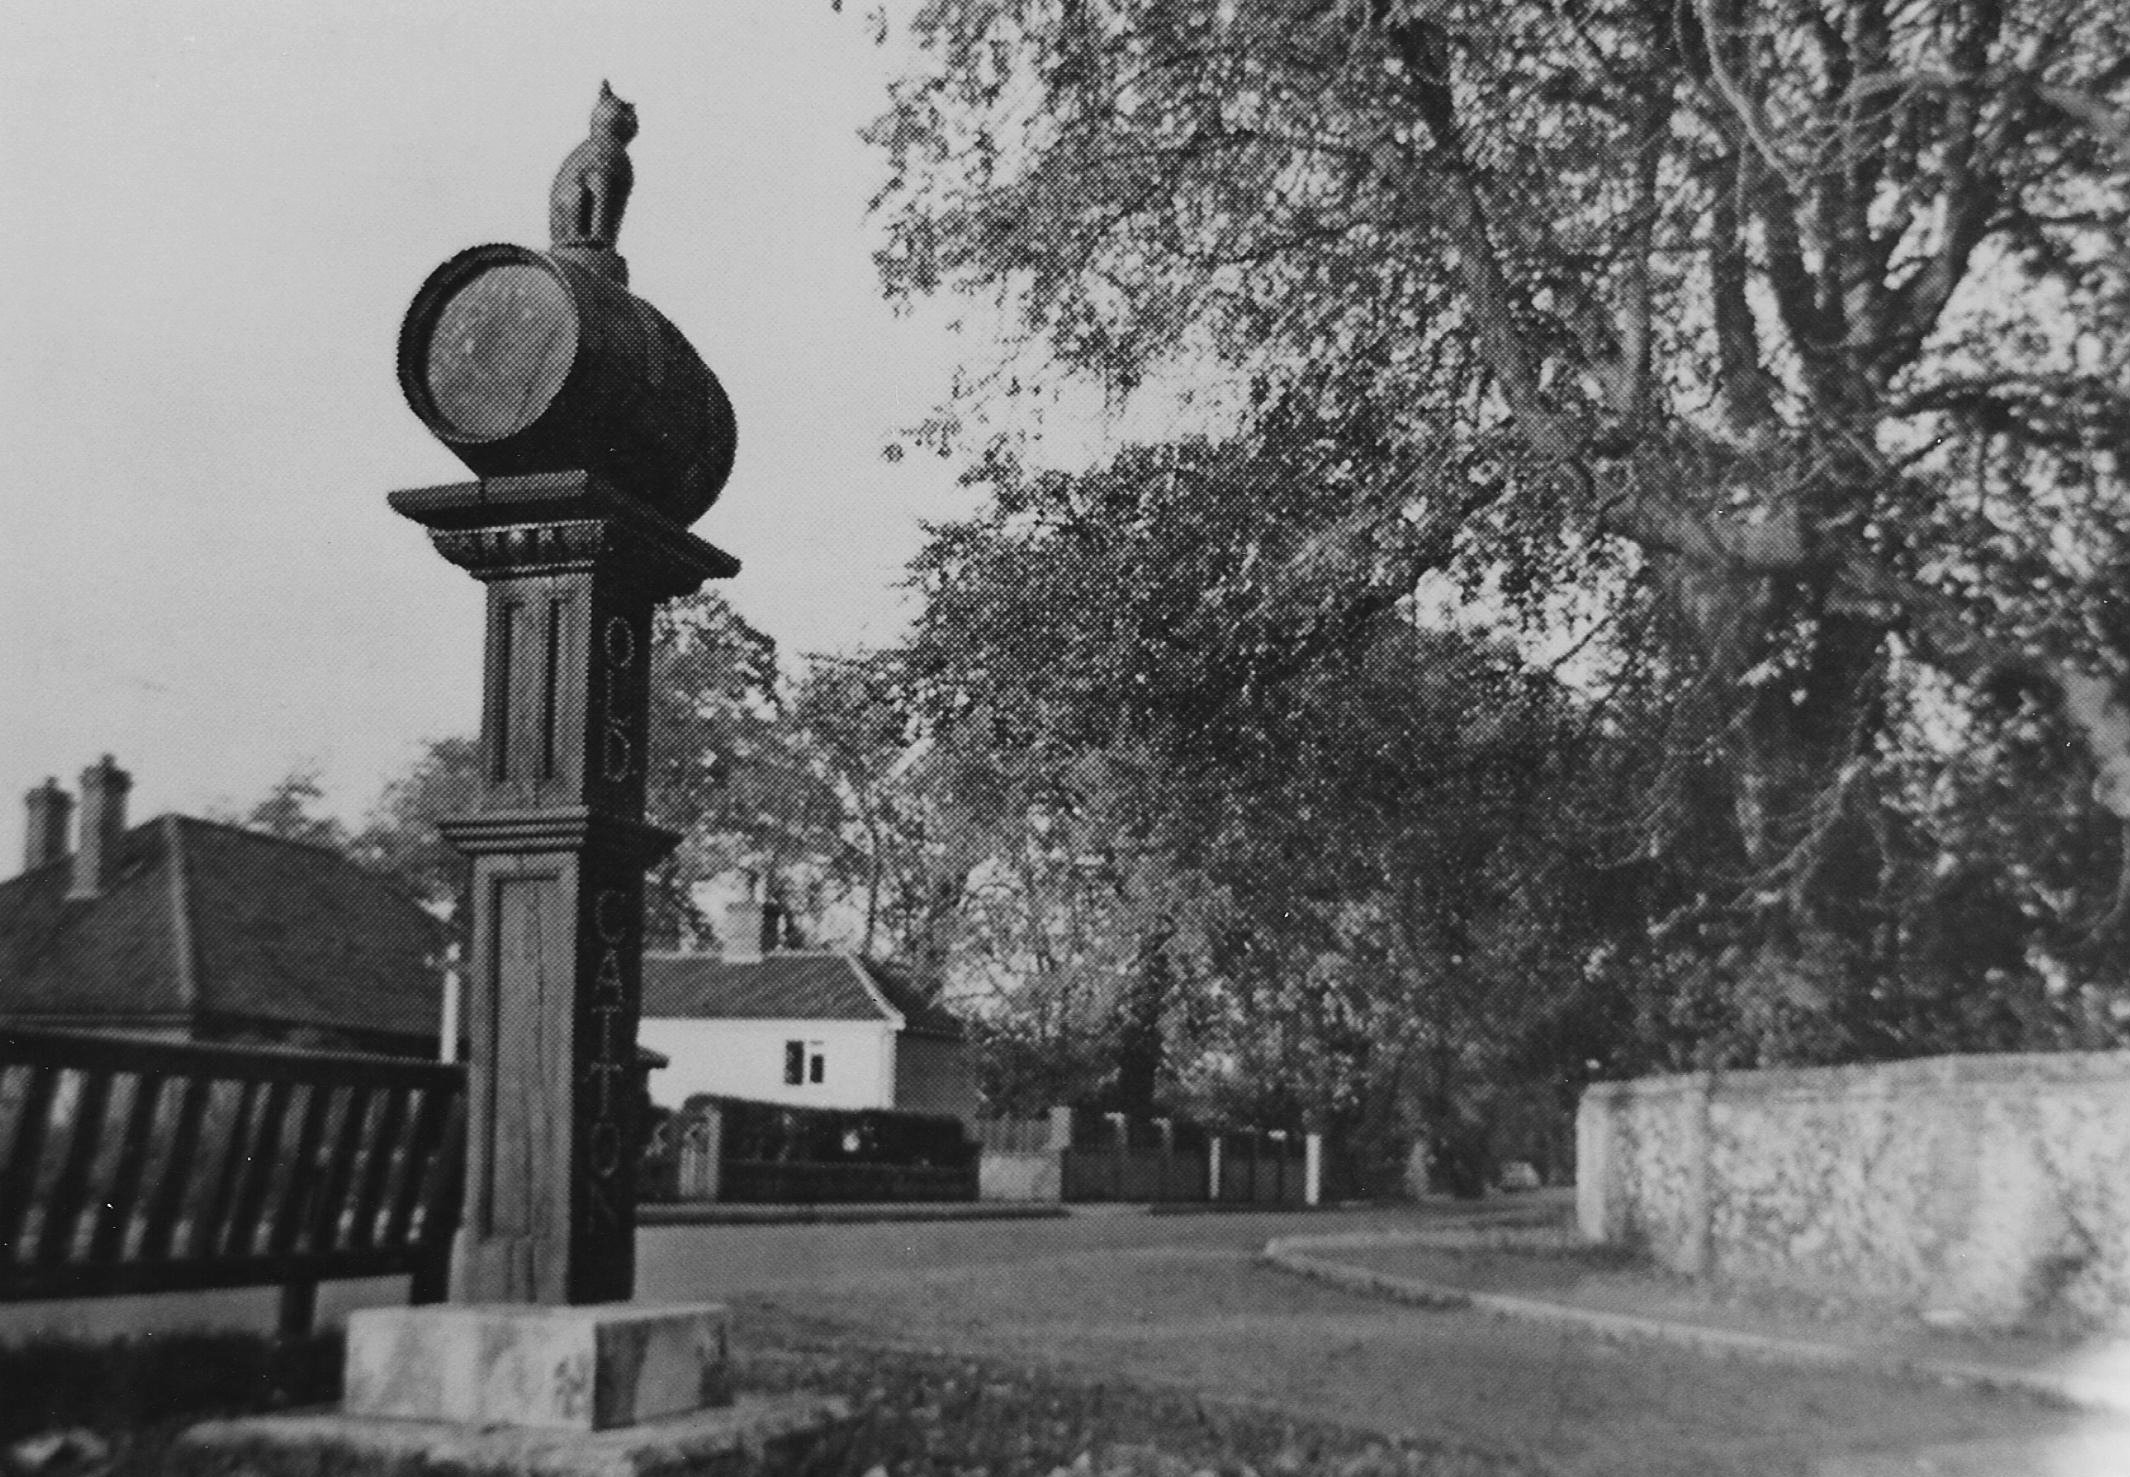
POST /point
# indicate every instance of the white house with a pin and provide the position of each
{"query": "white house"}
(815, 1029)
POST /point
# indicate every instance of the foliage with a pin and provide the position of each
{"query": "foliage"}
(1773, 357)
(400, 835)
(289, 809)
(896, 847)
(785, 1134)
(723, 772)
(1029, 1060)
(1279, 861)
(932, 1414)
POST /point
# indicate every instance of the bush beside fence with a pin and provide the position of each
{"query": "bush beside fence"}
(738, 1151)
(745, 1152)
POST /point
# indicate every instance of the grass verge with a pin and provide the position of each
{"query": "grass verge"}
(917, 1415)
(136, 1395)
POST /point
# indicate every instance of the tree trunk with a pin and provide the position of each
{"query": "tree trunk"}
(1139, 1045)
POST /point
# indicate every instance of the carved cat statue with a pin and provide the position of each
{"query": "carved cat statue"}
(592, 188)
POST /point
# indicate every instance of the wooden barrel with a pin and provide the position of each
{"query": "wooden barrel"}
(520, 361)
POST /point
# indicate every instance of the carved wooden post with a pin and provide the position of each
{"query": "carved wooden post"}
(559, 847)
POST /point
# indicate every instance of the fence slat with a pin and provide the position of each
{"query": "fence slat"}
(423, 1136)
(68, 1199)
(122, 1202)
(331, 1202)
(445, 1182)
(25, 1156)
(293, 1213)
(378, 1153)
(178, 1155)
(240, 1234)
(212, 1223)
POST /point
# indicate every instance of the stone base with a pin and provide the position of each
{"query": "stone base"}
(587, 1368)
(755, 1436)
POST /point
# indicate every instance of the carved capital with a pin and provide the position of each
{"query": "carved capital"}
(522, 548)
(573, 828)
(506, 526)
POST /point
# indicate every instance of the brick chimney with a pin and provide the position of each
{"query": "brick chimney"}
(103, 822)
(50, 808)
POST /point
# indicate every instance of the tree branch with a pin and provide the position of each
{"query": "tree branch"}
(1716, 32)
(1969, 197)
(2110, 125)
(1423, 48)
(1631, 400)
(1743, 383)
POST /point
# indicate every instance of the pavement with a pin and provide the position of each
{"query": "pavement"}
(1531, 1272)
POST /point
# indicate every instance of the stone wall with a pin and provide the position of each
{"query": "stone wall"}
(1990, 1191)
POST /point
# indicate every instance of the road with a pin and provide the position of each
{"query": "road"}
(1183, 1300)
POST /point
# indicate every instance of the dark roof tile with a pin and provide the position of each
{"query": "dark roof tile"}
(298, 933)
(107, 957)
(921, 1013)
(280, 932)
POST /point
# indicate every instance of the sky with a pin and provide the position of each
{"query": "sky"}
(216, 216)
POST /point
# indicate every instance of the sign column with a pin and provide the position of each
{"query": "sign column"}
(559, 846)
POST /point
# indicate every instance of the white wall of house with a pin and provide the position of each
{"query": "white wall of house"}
(746, 1059)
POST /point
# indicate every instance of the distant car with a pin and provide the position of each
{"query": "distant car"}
(1518, 1175)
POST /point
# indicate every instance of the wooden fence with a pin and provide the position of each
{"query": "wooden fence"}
(1117, 1158)
(1265, 1169)
(147, 1166)
(1080, 1155)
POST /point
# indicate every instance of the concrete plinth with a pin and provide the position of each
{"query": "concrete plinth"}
(552, 1368)
(755, 1436)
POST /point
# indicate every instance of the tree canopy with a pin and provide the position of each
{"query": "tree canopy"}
(1774, 358)
(1241, 852)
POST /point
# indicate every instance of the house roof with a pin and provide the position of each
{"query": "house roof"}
(790, 985)
(202, 920)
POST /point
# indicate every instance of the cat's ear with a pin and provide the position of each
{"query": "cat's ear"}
(606, 88)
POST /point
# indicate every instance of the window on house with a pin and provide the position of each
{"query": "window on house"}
(814, 1068)
(795, 1063)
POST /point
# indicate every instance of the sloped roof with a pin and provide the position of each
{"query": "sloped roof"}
(111, 957)
(202, 920)
(924, 1016)
(792, 985)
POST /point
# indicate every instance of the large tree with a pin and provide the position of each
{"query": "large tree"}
(1249, 854)
(1789, 340)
